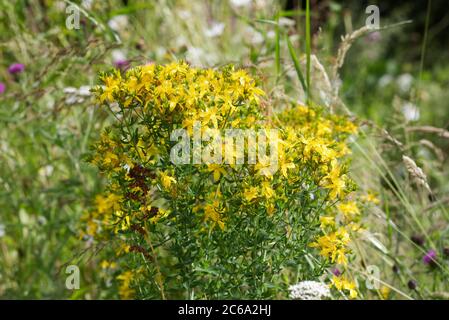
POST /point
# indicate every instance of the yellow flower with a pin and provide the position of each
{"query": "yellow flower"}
(343, 284)
(250, 194)
(285, 166)
(166, 180)
(270, 209)
(335, 181)
(111, 202)
(104, 264)
(161, 213)
(211, 213)
(327, 221)
(108, 265)
(342, 149)
(334, 245)
(349, 209)
(110, 158)
(210, 115)
(317, 145)
(370, 197)
(111, 86)
(122, 249)
(217, 169)
(125, 291)
(347, 127)
(384, 292)
(133, 85)
(263, 167)
(122, 221)
(91, 228)
(267, 191)
(164, 89)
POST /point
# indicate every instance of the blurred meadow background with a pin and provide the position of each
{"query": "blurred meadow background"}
(394, 82)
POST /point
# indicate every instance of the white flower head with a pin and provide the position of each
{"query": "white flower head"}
(195, 56)
(160, 51)
(70, 90)
(240, 3)
(404, 82)
(76, 95)
(385, 80)
(215, 30)
(253, 36)
(118, 55)
(46, 171)
(410, 112)
(309, 290)
(271, 34)
(87, 4)
(286, 22)
(84, 91)
(118, 23)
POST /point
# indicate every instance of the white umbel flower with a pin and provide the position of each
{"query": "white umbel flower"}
(309, 290)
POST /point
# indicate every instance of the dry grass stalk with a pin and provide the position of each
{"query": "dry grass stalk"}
(429, 129)
(416, 172)
(346, 43)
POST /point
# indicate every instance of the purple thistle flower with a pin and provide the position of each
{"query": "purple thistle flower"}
(121, 64)
(430, 257)
(16, 68)
(336, 272)
(2, 87)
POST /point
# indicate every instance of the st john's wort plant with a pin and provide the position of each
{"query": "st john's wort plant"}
(223, 228)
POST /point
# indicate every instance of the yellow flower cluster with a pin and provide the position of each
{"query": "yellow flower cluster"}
(343, 284)
(125, 290)
(163, 98)
(320, 138)
(152, 101)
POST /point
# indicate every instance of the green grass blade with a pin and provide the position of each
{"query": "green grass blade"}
(423, 47)
(295, 60)
(277, 49)
(308, 48)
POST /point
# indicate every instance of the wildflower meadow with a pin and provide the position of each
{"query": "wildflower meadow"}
(224, 150)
